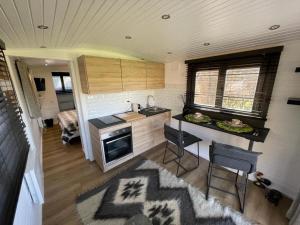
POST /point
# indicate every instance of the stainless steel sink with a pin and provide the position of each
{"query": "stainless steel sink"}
(153, 109)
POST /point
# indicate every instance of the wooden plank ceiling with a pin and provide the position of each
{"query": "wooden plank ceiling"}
(228, 25)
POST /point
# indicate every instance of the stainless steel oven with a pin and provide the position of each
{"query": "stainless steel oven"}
(117, 144)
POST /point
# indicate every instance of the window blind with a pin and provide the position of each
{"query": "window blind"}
(244, 84)
(14, 146)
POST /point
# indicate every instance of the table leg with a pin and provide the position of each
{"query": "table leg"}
(179, 125)
(250, 145)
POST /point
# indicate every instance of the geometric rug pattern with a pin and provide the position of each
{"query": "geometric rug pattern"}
(148, 189)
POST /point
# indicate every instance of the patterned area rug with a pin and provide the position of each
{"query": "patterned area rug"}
(149, 189)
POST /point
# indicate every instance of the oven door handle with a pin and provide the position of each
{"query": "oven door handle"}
(128, 135)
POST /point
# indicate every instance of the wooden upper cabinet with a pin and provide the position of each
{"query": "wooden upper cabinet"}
(103, 75)
(100, 75)
(133, 75)
(155, 75)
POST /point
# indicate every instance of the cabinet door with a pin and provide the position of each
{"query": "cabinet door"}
(155, 75)
(96, 146)
(103, 74)
(142, 135)
(83, 75)
(133, 75)
(158, 122)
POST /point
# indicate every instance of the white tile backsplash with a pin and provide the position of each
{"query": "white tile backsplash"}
(112, 103)
(170, 98)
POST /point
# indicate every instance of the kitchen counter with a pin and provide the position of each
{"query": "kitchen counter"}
(100, 125)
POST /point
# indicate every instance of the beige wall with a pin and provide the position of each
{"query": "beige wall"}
(47, 98)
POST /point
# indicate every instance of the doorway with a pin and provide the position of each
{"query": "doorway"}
(53, 88)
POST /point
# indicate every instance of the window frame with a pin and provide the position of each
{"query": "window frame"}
(266, 59)
(221, 88)
(62, 75)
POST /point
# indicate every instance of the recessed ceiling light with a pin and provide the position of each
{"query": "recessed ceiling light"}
(43, 46)
(206, 44)
(128, 37)
(166, 16)
(274, 27)
(169, 53)
(42, 27)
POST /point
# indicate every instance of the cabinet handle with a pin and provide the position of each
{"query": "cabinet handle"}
(118, 139)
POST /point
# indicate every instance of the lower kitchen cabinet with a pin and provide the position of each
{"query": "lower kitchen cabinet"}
(146, 133)
(142, 135)
(149, 132)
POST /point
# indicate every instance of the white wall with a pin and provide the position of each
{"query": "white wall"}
(281, 150)
(27, 212)
(281, 157)
(47, 98)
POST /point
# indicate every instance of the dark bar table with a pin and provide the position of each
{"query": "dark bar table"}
(258, 135)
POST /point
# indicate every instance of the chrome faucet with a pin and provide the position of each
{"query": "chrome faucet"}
(148, 98)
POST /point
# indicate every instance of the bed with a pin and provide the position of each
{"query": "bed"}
(69, 125)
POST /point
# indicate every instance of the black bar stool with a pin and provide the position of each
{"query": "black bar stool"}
(222, 155)
(181, 139)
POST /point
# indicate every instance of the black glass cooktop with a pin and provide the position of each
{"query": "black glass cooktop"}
(109, 119)
(106, 121)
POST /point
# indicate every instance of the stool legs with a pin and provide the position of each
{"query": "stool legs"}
(242, 200)
(198, 152)
(165, 152)
(208, 180)
(241, 197)
(179, 154)
(178, 164)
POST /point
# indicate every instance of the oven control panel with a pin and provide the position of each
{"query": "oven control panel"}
(116, 133)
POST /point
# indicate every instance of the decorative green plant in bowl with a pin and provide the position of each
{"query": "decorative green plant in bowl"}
(235, 126)
(197, 118)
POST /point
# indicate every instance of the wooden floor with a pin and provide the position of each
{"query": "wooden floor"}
(67, 174)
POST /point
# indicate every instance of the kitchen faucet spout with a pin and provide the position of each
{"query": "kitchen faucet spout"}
(148, 101)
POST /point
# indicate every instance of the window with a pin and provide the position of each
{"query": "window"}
(240, 88)
(67, 83)
(239, 83)
(206, 87)
(62, 82)
(14, 147)
(57, 83)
